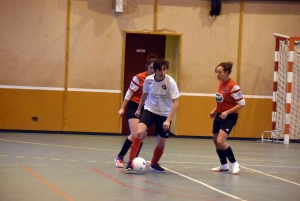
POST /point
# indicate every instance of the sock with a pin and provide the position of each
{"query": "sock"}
(158, 152)
(125, 148)
(229, 154)
(136, 144)
(139, 149)
(222, 156)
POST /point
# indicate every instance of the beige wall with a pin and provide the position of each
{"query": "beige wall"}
(33, 53)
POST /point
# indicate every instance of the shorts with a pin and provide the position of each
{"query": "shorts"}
(131, 109)
(148, 118)
(224, 124)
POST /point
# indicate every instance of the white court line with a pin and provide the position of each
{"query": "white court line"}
(274, 166)
(271, 176)
(204, 184)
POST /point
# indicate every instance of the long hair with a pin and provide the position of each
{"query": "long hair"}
(159, 63)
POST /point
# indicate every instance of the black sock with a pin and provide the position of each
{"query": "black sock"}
(139, 149)
(229, 154)
(222, 156)
(125, 148)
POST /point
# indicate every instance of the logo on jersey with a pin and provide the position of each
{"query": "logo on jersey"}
(219, 98)
(164, 86)
(240, 94)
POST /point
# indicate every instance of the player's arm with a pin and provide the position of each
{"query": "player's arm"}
(173, 109)
(235, 109)
(124, 104)
(236, 94)
(213, 113)
(142, 102)
(166, 124)
(133, 87)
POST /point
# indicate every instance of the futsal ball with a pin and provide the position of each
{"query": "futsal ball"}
(138, 164)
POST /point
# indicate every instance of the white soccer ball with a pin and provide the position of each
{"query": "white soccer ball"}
(138, 164)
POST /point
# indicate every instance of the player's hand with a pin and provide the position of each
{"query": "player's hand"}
(121, 112)
(212, 115)
(223, 115)
(138, 113)
(166, 126)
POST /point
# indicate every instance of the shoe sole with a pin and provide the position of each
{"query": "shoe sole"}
(157, 170)
(131, 171)
(221, 170)
(236, 172)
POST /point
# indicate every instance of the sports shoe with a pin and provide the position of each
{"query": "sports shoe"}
(129, 166)
(119, 162)
(235, 167)
(157, 168)
(221, 168)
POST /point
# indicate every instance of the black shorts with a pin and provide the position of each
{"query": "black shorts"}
(224, 124)
(131, 109)
(148, 118)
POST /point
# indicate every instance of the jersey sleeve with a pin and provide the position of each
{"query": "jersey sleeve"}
(174, 92)
(146, 86)
(133, 87)
(237, 95)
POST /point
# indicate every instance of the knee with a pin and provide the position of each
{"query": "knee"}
(220, 142)
(140, 135)
(161, 144)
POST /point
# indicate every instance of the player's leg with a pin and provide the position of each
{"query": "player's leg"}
(145, 122)
(226, 128)
(219, 137)
(136, 144)
(143, 137)
(162, 137)
(133, 125)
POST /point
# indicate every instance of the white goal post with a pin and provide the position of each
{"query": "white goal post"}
(286, 91)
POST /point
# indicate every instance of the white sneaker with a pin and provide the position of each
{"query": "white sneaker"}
(221, 168)
(235, 167)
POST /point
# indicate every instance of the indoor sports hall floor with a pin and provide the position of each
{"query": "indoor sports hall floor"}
(58, 167)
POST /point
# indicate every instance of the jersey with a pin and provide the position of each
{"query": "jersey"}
(229, 95)
(135, 90)
(160, 94)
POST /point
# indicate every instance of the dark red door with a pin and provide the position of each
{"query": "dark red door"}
(138, 47)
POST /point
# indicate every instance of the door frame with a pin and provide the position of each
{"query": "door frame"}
(125, 32)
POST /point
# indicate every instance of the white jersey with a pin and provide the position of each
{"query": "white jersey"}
(160, 94)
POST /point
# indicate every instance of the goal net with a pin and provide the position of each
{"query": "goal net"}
(286, 91)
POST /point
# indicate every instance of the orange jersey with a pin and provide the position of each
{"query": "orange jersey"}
(229, 95)
(135, 89)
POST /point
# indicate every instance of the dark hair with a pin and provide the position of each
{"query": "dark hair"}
(227, 66)
(151, 59)
(159, 63)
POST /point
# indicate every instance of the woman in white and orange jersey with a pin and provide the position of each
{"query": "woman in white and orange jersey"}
(132, 100)
(160, 99)
(229, 100)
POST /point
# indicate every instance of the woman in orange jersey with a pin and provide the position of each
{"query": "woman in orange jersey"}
(132, 100)
(229, 101)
